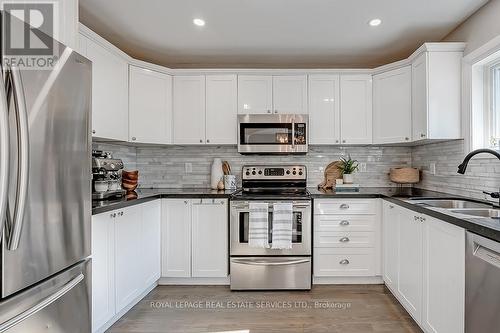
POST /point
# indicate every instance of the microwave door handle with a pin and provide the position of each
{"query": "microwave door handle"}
(23, 155)
(4, 152)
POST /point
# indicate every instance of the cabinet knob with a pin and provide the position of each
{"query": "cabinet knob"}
(422, 135)
(112, 215)
(268, 111)
(275, 111)
(343, 141)
(391, 206)
(344, 262)
(201, 141)
(415, 218)
(120, 213)
(336, 141)
(134, 138)
(344, 222)
(407, 138)
(344, 240)
(93, 131)
(344, 206)
(208, 141)
(185, 202)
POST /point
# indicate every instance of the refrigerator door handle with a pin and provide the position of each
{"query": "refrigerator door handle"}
(23, 164)
(4, 153)
(43, 304)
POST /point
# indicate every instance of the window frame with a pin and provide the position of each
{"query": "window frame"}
(492, 104)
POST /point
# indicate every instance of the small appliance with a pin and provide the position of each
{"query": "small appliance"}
(106, 176)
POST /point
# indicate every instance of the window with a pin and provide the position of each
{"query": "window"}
(493, 101)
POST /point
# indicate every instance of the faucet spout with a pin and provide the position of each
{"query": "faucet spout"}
(463, 166)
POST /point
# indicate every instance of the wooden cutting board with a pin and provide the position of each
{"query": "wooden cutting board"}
(332, 172)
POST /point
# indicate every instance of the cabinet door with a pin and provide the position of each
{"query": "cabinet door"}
(419, 97)
(410, 263)
(255, 94)
(324, 111)
(390, 227)
(222, 109)
(189, 109)
(176, 238)
(392, 106)
(103, 269)
(128, 258)
(356, 109)
(290, 94)
(150, 101)
(151, 243)
(444, 277)
(209, 238)
(109, 93)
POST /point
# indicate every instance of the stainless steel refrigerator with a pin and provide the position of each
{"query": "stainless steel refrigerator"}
(45, 200)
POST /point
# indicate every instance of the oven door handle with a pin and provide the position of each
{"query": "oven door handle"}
(263, 262)
(245, 205)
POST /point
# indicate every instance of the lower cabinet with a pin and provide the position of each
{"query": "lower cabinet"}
(195, 238)
(125, 259)
(424, 267)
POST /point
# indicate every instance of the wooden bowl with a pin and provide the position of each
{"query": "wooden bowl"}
(132, 175)
(129, 187)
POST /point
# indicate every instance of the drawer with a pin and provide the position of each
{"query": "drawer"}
(348, 206)
(345, 222)
(344, 239)
(343, 262)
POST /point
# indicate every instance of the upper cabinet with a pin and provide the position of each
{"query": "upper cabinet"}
(436, 95)
(109, 90)
(221, 109)
(392, 106)
(324, 109)
(272, 94)
(150, 106)
(356, 109)
(189, 109)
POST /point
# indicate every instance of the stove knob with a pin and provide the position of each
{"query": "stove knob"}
(248, 173)
(253, 173)
(260, 172)
(300, 173)
(294, 173)
(287, 172)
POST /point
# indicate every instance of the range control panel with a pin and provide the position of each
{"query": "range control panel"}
(260, 172)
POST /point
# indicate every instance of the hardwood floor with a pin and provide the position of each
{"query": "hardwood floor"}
(197, 309)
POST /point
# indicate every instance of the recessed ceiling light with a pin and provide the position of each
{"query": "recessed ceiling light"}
(375, 22)
(199, 22)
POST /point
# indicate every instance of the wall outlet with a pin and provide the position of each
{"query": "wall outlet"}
(362, 167)
(432, 168)
(188, 167)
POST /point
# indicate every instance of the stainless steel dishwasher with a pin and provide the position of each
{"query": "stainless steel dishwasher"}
(482, 285)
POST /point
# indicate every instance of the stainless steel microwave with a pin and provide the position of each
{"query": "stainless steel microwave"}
(272, 133)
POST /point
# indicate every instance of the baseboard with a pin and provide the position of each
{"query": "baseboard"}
(120, 314)
(194, 281)
(348, 280)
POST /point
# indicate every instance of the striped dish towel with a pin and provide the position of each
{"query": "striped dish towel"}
(258, 225)
(282, 226)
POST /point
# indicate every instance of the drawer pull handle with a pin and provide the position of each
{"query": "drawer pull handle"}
(344, 222)
(344, 262)
(344, 206)
(344, 239)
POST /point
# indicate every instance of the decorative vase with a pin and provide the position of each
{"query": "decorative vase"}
(348, 178)
(217, 174)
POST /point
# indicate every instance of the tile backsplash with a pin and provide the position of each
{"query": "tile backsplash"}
(165, 166)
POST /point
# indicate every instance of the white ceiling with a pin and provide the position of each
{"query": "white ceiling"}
(273, 33)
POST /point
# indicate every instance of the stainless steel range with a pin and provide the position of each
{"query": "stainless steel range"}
(265, 268)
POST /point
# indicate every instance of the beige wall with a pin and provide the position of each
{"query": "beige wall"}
(481, 27)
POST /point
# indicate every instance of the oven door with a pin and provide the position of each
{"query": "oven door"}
(285, 133)
(301, 234)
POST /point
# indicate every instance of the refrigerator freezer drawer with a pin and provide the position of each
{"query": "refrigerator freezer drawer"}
(270, 273)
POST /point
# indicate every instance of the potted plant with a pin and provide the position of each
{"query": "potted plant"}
(347, 167)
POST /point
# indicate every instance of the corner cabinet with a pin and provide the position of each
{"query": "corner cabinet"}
(436, 95)
(150, 106)
(356, 109)
(109, 89)
(392, 106)
(424, 267)
(194, 238)
(324, 109)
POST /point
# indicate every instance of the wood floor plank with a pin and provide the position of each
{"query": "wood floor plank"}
(326, 308)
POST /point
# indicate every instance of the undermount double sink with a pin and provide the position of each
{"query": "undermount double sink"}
(460, 206)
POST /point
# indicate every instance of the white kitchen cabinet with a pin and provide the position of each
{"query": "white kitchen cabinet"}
(443, 277)
(392, 106)
(189, 110)
(390, 244)
(255, 94)
(176, 238)
(290, 94)
(221, 109)
(150, 106)
(103, 269)
(356, 109)
(151, 243)
(128, 261)
(436, 95)
(324, 109)
(209, 238)
(109, 92)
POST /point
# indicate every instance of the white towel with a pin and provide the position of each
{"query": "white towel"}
(258, 225)
(282, 226)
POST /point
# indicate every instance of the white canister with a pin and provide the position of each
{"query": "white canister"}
(230, 182)
(217, 174)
